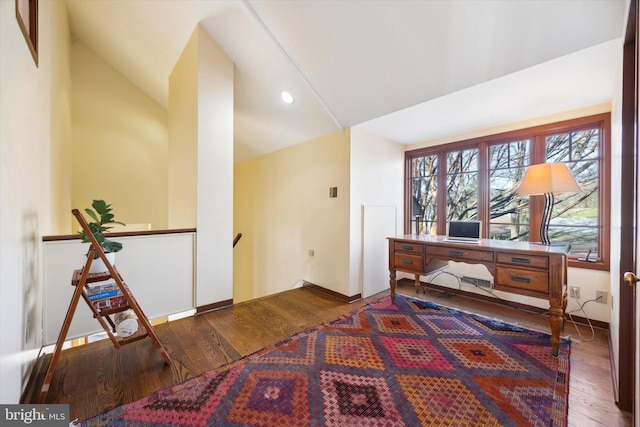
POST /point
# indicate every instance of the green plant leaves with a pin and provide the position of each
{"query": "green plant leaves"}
(102, 219)
(100, 206)
(92, 214)
(111, 246)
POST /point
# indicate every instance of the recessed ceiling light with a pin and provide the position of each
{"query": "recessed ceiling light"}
(287, 97)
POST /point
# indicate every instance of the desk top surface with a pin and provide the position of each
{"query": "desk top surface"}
(486, 244)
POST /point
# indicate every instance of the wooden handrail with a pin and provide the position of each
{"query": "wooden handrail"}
(120, 234)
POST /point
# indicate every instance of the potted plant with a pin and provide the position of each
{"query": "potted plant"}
(102, 221)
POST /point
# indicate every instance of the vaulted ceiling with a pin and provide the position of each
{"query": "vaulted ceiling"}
(407, 70)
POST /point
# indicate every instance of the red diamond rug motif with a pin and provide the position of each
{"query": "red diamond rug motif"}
(407, 363)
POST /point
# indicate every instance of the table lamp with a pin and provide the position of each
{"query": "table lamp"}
(547, 179)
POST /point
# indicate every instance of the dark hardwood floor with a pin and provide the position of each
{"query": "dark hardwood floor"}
(96, 377)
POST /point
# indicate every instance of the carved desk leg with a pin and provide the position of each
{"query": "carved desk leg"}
(555, 320)
(392, 284)
(557, 299)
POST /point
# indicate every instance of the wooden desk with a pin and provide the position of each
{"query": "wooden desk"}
(518, 267)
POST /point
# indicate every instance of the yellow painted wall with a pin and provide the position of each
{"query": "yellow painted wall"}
(183, 137)
(120, 143)
(283, 209)
(60, 104)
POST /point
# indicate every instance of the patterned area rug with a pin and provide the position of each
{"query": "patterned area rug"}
(410, 363)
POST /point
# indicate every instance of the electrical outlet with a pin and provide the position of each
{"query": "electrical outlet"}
(574, 292)
(601, 297)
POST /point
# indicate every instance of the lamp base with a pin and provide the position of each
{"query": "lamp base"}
(546, 218)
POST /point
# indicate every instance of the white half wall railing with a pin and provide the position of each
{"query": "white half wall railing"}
(157, 266)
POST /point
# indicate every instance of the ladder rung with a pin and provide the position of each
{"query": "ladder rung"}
(118, 309)
(91, 277)
(133, 338)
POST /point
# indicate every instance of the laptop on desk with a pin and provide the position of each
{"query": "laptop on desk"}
(463, 231)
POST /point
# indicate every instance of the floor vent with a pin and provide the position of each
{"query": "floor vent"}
(481, 283)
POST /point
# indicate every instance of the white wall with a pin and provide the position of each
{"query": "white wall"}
(215, 173)
(376, 176)
(34, 122)
(201, 161)
(615, 229)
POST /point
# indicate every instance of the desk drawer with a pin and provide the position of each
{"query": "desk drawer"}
(408, 247)
(529, 280)
(408, 262)
(453, 253)
(523, 260)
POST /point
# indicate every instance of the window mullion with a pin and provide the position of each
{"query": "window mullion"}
(442, 192)
(536, 203)
(483, 187)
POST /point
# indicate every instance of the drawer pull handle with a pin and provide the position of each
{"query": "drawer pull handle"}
(520, 279)
(456, 253)
(407, 261)
(407, 248)
(521, 260)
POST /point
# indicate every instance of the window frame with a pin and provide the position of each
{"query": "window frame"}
(537, 135)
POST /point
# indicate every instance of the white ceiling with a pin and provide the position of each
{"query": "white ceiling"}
(408, 70)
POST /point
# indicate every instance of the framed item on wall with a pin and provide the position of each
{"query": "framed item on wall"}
(27, 16)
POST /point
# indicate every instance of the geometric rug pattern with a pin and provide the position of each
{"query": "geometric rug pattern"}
(411, 363)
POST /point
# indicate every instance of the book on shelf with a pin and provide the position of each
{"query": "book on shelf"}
(109, 303)
(103, 291)
(106, 296)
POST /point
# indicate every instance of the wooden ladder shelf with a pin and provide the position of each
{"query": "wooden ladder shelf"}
(80, 280)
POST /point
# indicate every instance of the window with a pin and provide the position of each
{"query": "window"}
(482, 176)
(462, 184)
(508, 214)
(575, 217)
(424, 192)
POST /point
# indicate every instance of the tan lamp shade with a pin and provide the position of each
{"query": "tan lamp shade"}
(548, 178)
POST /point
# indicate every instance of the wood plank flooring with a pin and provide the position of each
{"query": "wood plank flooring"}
(96, 377)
